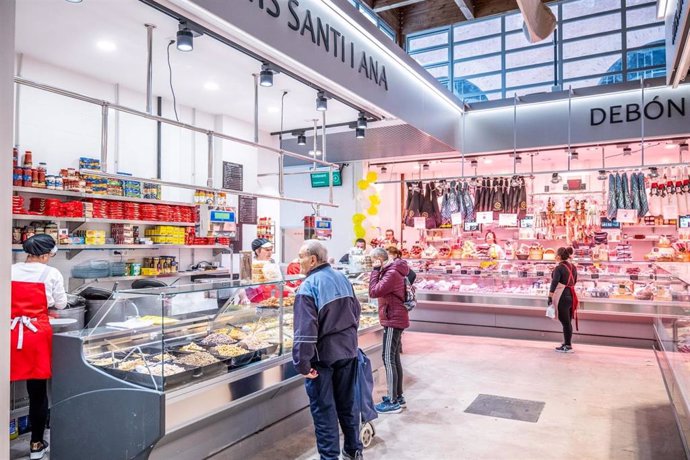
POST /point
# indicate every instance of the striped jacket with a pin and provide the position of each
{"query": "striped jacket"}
(326, 319)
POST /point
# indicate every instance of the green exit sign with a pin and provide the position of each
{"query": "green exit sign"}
(320, 179)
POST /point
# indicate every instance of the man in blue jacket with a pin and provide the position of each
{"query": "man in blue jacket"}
(325, 351)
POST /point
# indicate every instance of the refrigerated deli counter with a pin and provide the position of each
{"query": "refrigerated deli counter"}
(181, 372)
(619, 300)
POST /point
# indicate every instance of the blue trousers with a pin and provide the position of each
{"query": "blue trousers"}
(332, 400)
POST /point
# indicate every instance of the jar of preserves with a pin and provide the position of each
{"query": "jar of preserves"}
(28, 159)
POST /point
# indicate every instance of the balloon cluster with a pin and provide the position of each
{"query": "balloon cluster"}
(371, 202)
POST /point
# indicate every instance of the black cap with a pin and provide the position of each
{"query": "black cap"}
(260, 243)
(39, 245)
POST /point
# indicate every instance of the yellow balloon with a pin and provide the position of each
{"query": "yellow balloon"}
(372, 176)
(375, 199)
(362, 184)
(373, 210)
(358, 218)
(360, 232)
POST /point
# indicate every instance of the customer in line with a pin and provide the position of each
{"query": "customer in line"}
(395, 254)
(562, 294)
(326, 318)
(35, 287)
(387, 284)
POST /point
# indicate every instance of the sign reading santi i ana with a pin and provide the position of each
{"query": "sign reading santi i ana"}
(300, 19)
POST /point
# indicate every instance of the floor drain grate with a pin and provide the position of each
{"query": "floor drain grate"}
(510, 408)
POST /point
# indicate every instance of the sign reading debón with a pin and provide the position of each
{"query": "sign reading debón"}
(652, 110)
(325, 36)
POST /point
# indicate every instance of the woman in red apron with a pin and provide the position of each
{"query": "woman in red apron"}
(562, 294)
(33, 282)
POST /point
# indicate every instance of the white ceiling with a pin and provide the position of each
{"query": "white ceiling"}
(66, 35)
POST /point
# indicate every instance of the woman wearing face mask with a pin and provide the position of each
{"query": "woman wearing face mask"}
(387, 284)
(35, 287)
(562, 294)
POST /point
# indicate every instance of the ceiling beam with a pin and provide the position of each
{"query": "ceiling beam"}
(385, 5)
(467, 8)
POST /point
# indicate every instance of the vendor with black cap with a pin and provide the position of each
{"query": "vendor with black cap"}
(35, 287)
(263, 249)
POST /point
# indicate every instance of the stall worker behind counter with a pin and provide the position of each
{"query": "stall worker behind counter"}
(360, 243)
(263, 250)
(495, 249)
(35, 287)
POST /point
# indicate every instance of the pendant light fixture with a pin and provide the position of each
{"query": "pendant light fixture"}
(185, 38)
(425, 166)
(556, 178)
(518, 160)
(362, 120)
(384, 169)
(602, 174)
(627, 151)
(301, 139)
(266, 75)
(474, 163)
(574, 155)
(322, 102)
(653, 172)
(359, 133)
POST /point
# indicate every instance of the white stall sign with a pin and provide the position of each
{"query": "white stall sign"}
(420, 223)
(508, 220)
(485, 217)
(626, 216)
(456, 218)
(670, 211)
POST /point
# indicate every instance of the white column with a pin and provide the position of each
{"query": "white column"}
(7, 62)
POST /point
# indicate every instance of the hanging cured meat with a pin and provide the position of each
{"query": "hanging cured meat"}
(681, 197)
(436, 209)
(497, 203)
(612, 206)
(644, 205)
(415, 209)
(468, 205)
(655, 200)
(478, 195)
(635, 193)
(620, 200)
(445, 205)
(522, 208)
(625, 190)
(459, 198)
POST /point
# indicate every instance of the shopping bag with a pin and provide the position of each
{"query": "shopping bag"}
(551, 312)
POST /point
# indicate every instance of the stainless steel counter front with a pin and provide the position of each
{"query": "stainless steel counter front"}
(602, 321)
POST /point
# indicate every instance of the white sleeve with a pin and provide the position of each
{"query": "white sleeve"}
(59, 295)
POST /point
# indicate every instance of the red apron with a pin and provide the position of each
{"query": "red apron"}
(31, 336)
(559, 292)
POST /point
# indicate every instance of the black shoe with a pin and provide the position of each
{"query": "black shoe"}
(38, 450)
(564, 349)
(356, 456)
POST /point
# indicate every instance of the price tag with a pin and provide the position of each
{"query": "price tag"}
(627, 216)
(508, 220)
(670, 211)
(420, 223)
(684, 222)
(527, 222)
(595, 276)
(485, 217)
(539, 274)
(463, 271)
(634, 277)
(456, 218)
(505, 272)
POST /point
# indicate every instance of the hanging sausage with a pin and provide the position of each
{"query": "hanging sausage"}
(468, 205)
(644, 204)
(522, 208)
(612, 206)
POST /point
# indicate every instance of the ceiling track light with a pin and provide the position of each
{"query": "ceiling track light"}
(627, 151)
(683, 147)
(425, 166)
(574, 155)
(322, 102)
(266, 75)
(555, 178)
(362, 120)
(602, 174)
(474, 163)
(518, 160)
(359, 133)
(384, 170)
(185, 38)
(301, 139)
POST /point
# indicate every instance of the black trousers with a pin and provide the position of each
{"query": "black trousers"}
(391, 361)
(332, 401)
(565, 316)
(38, 407)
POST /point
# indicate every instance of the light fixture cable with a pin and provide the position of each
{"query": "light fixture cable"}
(172, 90)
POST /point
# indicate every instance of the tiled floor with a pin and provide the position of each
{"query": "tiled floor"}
(601, 403)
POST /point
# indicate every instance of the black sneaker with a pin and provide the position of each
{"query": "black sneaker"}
(38, 450)
(564, 349)
(356, 456)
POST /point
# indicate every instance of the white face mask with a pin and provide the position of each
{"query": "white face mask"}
(53, 251)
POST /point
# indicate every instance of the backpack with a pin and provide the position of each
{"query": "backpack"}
(410, 295)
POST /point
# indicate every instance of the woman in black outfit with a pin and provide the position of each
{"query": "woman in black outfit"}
(562, 294)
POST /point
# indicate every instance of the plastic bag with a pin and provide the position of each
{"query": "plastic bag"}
(551, 312)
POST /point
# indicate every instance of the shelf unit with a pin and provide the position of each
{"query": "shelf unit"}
(93, 220)
(70, 194)
(76, 282)
(74, 249)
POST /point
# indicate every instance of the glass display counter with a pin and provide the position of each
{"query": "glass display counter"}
(154, 363)
(618, 300)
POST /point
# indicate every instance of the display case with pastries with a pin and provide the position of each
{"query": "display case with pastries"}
(369, 316)
(629, 287)
(165, 359)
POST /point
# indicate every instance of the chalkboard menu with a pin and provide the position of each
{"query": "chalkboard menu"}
(247, 209)
(232, 176)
